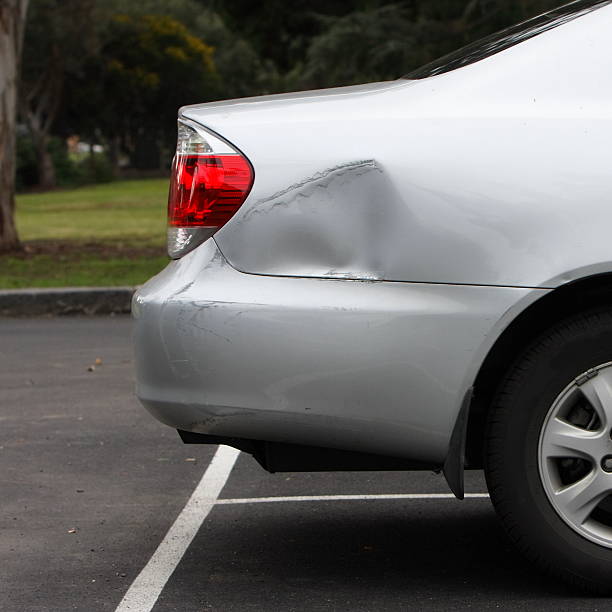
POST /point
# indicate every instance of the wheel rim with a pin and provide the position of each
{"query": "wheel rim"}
(575, 454)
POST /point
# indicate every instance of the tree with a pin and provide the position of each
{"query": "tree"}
(368, 45)
(154, 56)
(280, 31)
(12, 21)
(383, 41)
(152, 65)
(58, 40)
(240, 69)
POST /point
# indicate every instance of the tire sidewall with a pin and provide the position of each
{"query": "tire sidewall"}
(531, 390)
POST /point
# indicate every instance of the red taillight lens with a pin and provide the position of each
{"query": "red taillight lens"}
(210, 181)
(206, 190)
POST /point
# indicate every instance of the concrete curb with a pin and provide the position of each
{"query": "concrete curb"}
(65, 301)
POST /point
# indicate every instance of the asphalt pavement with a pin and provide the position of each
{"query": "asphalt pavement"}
(91, 484)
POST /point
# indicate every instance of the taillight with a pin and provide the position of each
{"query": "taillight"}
(210, 181)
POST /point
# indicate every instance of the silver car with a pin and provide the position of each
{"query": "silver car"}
(408, 275)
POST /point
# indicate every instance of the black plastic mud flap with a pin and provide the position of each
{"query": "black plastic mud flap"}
(454, 465)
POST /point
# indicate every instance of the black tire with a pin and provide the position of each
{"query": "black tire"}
(518, 413)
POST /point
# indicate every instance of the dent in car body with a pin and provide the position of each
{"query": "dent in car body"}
(324, 219)
(497, 173)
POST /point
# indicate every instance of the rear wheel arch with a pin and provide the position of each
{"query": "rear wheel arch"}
(567, 300)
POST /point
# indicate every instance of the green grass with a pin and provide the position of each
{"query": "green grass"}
(47, 271)
(111, 234)
(124, 211)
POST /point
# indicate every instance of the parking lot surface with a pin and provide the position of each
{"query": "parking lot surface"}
(91, 486)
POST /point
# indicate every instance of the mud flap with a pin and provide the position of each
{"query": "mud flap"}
(453, 469)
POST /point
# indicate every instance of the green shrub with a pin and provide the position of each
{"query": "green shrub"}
(27, 172)
(66, 174)
(94, 168)
(70, 170)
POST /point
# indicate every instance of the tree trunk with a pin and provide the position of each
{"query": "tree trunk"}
(114, 153)
(39, 107)
(44, 161)
(12, 22)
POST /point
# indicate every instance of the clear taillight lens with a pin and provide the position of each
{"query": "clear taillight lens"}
(210, 181)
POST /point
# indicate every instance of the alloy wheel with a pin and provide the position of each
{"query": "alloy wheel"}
(575, 454)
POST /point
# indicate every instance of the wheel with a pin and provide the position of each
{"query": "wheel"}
(548, 451)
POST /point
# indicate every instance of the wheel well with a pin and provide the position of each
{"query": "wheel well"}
(556, 305)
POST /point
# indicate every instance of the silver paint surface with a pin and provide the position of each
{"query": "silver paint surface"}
(349, 364)
(393, 231)
(498, 173)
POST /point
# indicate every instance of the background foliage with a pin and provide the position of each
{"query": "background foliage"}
(113, 73)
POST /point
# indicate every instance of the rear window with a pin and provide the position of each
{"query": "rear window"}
(507, 38)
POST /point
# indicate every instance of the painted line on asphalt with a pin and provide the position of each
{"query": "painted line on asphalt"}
(146, 588)
(150, 582)
(309, 498)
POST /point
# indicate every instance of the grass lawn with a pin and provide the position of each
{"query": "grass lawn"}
(110, 234)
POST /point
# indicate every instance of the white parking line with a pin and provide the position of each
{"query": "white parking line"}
(148, 585)
(306, 498)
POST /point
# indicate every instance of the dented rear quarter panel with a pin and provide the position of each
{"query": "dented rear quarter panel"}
(494, 174)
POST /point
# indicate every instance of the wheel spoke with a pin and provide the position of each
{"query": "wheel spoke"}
(578, 500)
(562, 439)
(575, 453)
(598, 392)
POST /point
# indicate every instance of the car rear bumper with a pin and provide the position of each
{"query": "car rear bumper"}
(376, 367)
